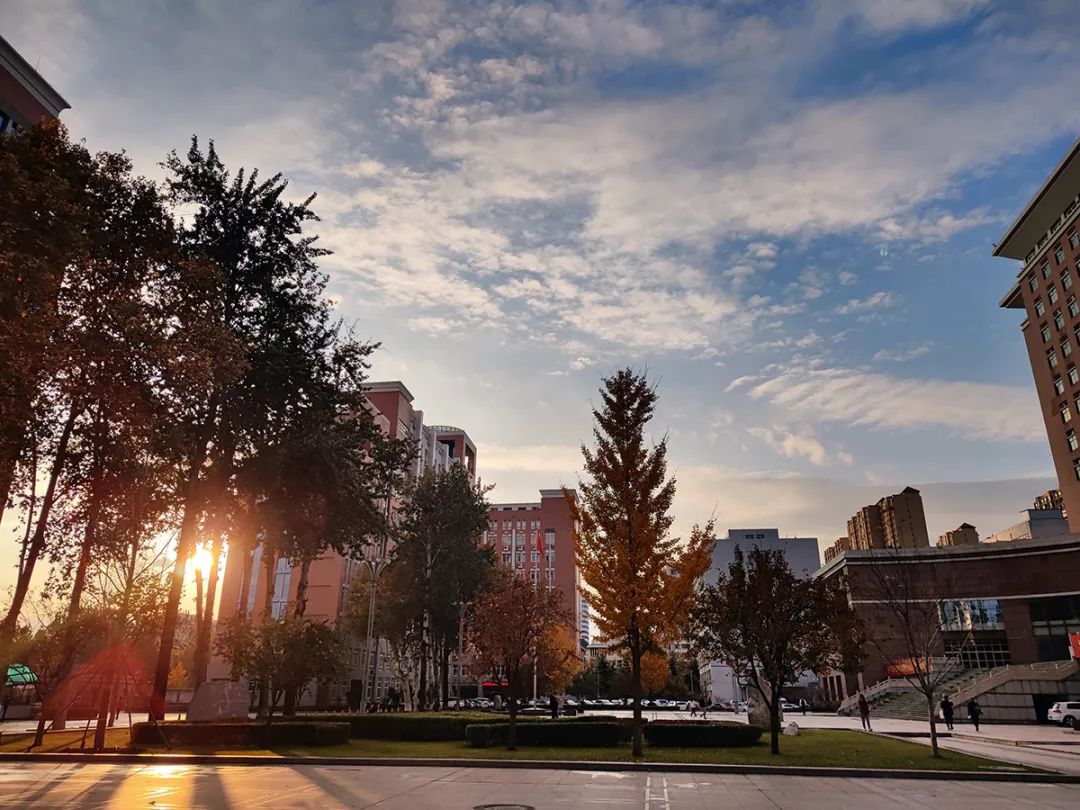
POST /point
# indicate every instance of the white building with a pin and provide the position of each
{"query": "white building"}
(718, 681)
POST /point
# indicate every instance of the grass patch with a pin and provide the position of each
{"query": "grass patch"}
(59, 740)
(814, 747)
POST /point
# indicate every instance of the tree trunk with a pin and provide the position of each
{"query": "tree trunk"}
(424, 663)
(245, 544)
(37, 544)
(511, 731)
(184, 546)
(105, 698)
(202, 643)
(774, 720)
(269, 565)
(933, 725)
(635, 685)
(292, 690)
(446, 674)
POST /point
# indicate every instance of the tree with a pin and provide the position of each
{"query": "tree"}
(443, 518)
(286, 651)
(910, 620)
(770, 626)
(655, 672)
(559, 660)
(641, 579)
(515, 620)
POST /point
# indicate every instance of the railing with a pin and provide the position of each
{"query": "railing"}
(872, 693)
(1041, 671)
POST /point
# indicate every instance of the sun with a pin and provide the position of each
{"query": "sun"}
(201, 560)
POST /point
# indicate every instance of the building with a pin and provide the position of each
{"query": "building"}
(1045, 240)
(962, 535)
(896, 521)
(998, 604)
(1051, 499)
(841, 545)
(25, 97)
(718, 680)
(513, 532)
(1034, 523)
(390, 404)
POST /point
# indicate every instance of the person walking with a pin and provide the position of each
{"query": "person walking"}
(974, 712)
(804, 705)
(947, 712)
(692, 706)
(553, 704)
(864, 712)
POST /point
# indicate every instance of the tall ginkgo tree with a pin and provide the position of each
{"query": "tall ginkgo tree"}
(641, 579)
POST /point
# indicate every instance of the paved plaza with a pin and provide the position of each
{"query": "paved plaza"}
(407, 788)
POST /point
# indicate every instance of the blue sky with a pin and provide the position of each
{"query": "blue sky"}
(784, 211)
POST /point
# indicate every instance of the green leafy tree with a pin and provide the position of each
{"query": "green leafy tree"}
(770, 626)
(641, 579)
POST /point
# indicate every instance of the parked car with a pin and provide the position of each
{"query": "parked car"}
(722, 706)
(1067, 714)
(787, 706)
(482, 703)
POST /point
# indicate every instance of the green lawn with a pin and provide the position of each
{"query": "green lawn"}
(59, 740)
(814, 747)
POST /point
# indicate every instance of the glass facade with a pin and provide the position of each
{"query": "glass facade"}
(1052, 619)
(971, 614)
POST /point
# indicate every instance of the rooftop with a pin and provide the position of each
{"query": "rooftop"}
(23, 71)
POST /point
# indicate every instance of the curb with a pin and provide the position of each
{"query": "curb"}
(1015, 743)
(535, 764)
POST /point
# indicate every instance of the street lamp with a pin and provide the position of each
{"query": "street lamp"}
(376, 559)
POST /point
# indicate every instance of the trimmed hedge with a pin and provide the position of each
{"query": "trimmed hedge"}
(688, 733)
(552, 732)
(242, 735)
(429, 726)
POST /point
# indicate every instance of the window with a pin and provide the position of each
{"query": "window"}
(1051, 357)
(550, 559)
(1045, 269)
(535, 556)
(520, 542)
(1059, 320)
(1066, 347)
(1059, 386)
(1052, 294)
(970, 614)
(1066, 414)
(550, 577)
(534, 575)
(506, 524)
(549, 538)
(1070, 437)
(1074, 240)
(507, 558)
(1059, 254)
(1074, 375)
(1040, 310)
(534, 525)
(1066, 279)
(1045, 332)
(1033, 282)
(1074, 308)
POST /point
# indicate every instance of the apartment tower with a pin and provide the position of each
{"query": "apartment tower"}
(1044, 239)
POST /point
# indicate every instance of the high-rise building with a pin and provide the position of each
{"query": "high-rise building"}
(896, 521)
(25, 97)
(513, 532)
(1046, 242)
(1051, 499)
(841, 545)
(390, 404)
(963, 535)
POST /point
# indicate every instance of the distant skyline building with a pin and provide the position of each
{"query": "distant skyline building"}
(895, 521)
(25, 96)
(963, 535)
(1034, 524)
(536, 541)
(1045, 240)
(1051, 499)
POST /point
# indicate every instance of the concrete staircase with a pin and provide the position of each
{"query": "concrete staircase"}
(911, 705)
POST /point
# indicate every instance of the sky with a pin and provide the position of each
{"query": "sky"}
(783, 211)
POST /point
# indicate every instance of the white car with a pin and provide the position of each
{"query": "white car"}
(1068, 714)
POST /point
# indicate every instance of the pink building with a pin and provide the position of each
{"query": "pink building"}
(513, 530)
(391, 405)
(25, 97)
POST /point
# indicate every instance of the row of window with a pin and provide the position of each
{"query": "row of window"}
(534, 558)
(512, 524)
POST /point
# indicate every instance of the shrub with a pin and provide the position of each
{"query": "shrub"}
(241, 735)
(428, 726)
(688, 733)
(551, 732)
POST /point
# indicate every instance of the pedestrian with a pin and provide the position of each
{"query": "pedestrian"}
(864, 712)
(692, 706)
(704, 710)
(947, 712)
(804, 705)
(974, 712)
(553, 704)
(498, 702)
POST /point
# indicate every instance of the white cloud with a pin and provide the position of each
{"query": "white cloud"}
(846, 277)
(792, 445)
(971, 409)
(900, 355)
(878, 300)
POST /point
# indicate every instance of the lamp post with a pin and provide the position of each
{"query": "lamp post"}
(375, 562)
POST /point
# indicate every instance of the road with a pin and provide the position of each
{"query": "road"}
(405, 788)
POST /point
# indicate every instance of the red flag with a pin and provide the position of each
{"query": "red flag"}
(540, 543)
